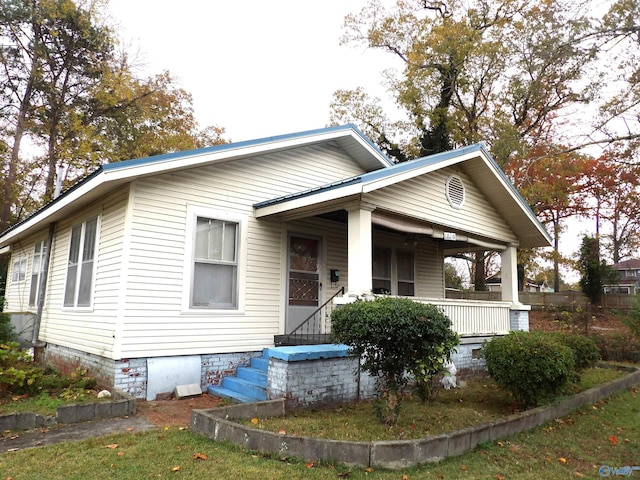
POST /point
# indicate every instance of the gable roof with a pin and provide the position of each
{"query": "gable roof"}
(631, 264)
(110, 176)
(478, 163)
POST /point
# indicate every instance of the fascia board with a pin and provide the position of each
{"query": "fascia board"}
(308, 200)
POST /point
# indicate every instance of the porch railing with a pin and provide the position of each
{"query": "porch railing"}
(316, 329)
(474, 318)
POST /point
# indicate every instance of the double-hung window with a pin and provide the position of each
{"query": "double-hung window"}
(19, 270)
(80, 268)
(215, 264)
(39, 252)
(393, 271)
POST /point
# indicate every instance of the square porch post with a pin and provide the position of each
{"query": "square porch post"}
(360, 249)
(509, 275)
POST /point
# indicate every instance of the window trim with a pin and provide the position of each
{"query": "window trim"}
(83, 225)
(193, 212)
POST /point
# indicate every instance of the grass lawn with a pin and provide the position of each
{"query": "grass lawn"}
(576, 446)
(481, 401)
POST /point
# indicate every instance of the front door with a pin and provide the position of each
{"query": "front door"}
(304, 284)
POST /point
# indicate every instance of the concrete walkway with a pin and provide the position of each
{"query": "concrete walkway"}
(10, 442)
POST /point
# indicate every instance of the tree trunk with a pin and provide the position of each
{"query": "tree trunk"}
(479, 275)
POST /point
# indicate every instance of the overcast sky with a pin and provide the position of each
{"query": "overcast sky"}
(257, 68)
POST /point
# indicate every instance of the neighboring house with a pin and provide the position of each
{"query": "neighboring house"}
(494, 284)
(628, 279)
(149, 270)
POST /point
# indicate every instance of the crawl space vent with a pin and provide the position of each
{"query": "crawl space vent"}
(455, 191)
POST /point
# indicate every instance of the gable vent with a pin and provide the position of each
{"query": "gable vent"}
(455, 191)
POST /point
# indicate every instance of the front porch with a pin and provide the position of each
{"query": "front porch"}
(469, 318)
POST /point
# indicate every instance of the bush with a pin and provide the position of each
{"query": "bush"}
(18, 373)
(394, 338)
(7, 331)
(531, 365)
(585, 350)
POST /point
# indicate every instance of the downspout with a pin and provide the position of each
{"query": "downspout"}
(42, 289)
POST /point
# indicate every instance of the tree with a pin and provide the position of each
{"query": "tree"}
(551, 184)
(615, 189)
(394, 337)
(499, 72)
(595, 273)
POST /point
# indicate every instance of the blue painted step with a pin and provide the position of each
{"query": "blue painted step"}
(248, 385)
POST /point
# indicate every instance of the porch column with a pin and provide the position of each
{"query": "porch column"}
(509, 275)
(360, 239)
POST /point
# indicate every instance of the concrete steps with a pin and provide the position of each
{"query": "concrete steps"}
(248, 385)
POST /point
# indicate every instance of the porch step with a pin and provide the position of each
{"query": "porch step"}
(248, 385)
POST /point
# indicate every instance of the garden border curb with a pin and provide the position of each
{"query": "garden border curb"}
(219, 424)
(121, 405)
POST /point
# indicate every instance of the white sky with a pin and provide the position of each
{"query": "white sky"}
(256, 68)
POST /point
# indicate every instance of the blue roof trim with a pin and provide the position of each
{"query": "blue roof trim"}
(244, 144)
(310, 192)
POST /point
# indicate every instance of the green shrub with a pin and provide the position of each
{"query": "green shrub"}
(632, 318)
(585, 350)
(531, 365)
(394, 338)
(18, 372)
(7, 331)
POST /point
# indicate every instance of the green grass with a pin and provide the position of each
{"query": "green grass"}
(481, 401)
(572, 447)
(44, 403)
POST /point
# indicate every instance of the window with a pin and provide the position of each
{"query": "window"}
(381, 270)
(39, 252)
(215, 270)
(82, 250)
(393, 272)
(19, 271)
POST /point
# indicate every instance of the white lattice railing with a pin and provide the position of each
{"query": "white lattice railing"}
(474, 317)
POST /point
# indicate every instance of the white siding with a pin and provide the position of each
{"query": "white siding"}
(89, 330)
(154, 323)
(424, 197)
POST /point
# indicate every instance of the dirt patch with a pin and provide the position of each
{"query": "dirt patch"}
(598, 322)
(174, 412)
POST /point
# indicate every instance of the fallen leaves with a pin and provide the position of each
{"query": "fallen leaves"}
(177, 468)
(562, 460)
(200, 456)
(254, 421)
(613, 439)
(112, 445)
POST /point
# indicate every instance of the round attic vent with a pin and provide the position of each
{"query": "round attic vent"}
(455, 191)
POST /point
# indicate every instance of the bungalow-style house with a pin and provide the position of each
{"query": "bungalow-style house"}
(628, 281)
(155, 271)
